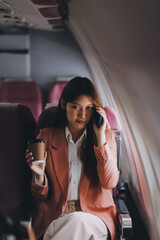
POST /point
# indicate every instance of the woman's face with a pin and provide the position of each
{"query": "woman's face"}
(79, 113)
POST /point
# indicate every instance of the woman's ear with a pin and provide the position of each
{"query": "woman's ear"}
(63, 105)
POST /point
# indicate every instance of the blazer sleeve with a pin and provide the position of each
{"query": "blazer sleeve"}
(106, 156)
(40, 192)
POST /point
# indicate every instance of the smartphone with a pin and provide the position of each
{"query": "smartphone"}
(97, 118)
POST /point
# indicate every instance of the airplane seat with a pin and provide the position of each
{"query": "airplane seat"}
(116, 126)
(113, 118)
(56, 91)
(17, 126)
(46, 118)
(125, 223)
(24, 92)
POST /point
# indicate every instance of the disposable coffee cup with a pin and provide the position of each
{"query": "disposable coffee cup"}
(37, 147)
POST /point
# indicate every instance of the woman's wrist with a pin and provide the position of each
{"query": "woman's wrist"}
(40, 178)
(101, 141)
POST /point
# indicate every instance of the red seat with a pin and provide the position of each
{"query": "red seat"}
(17, 126)
(46, 118)
(113, 118)
(26, 93)
(56, 91)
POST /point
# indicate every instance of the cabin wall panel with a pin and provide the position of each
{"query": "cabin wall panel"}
(14, 56)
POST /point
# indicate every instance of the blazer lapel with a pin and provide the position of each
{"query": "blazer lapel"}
(59, 157)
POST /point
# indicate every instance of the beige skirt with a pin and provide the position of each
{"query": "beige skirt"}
(77, 226)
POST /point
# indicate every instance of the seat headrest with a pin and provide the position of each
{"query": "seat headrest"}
(56, 91)
(113, 118)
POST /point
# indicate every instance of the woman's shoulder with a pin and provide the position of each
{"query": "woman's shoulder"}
(48, 132)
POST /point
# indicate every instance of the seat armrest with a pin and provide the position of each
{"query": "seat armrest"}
(124, 220)
(119, 192)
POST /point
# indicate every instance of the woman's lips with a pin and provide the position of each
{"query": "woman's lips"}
(81, 122)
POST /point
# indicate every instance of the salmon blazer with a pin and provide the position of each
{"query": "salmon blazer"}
(51, 199)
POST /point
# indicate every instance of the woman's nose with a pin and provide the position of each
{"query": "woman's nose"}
(82, 113)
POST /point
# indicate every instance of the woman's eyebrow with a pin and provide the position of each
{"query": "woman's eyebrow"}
(90, 104)
(74, 103)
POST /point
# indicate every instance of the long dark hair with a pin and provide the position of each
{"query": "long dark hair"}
(73, 89)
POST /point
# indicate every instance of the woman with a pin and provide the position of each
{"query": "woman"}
(73, 185)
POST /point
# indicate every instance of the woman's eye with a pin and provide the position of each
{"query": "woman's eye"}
(75, 107)
(89, 108)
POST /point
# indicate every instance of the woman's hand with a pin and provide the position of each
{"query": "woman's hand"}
(36, 167)
(100, 132)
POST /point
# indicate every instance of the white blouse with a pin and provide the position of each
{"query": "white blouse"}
(75, 164)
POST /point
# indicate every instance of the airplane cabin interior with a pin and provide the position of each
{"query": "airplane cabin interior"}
(116, 44)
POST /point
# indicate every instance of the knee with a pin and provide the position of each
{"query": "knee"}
(78, 217)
